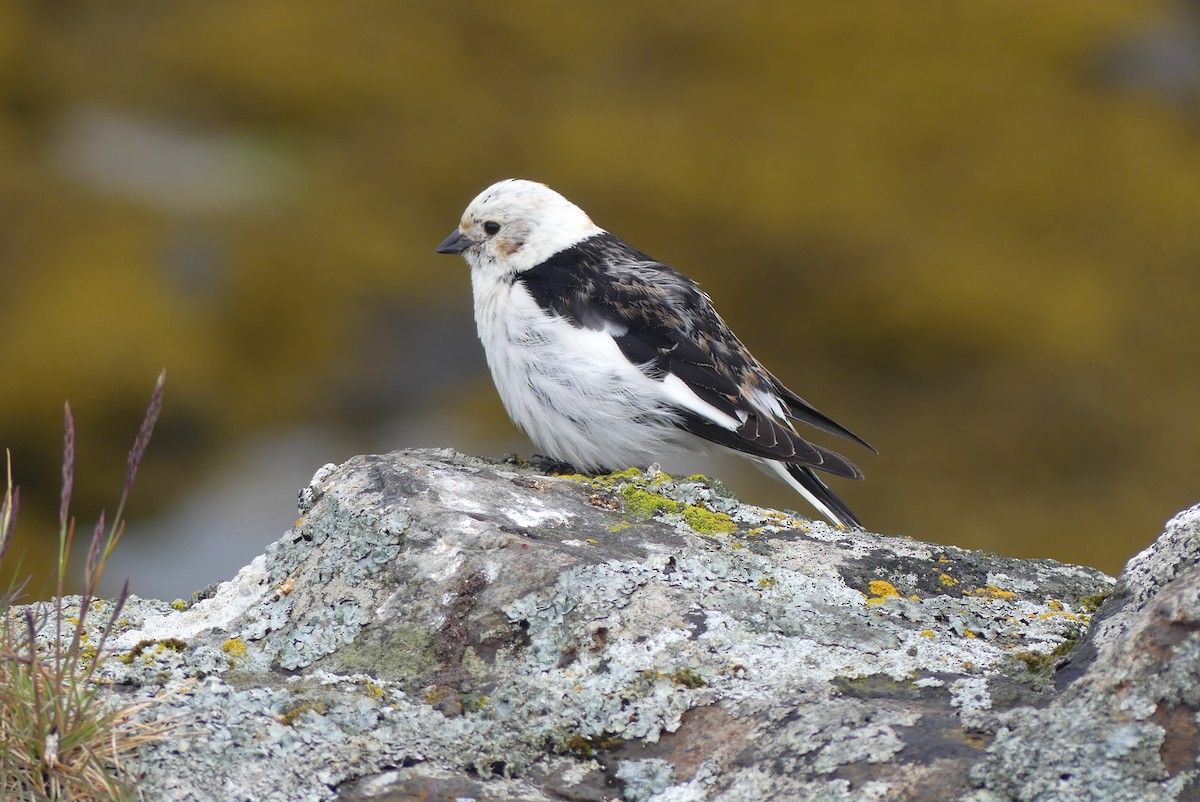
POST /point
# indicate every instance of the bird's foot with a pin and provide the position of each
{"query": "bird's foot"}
(551, 465)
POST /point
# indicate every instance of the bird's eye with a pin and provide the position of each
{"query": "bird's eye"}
(491, 227)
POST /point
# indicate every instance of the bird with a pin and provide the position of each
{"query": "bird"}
(608, 358)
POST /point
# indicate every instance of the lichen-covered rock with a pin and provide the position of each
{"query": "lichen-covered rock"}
(438, 626)
(1124, 728)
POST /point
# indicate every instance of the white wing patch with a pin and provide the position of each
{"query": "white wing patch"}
(780, 470)
(677, 391)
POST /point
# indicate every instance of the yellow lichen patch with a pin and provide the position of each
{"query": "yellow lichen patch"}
(373, 690)
(880, 591)
(881, 587)
(591, 541)
(436, 693)
(1059, 610)
(947, 580)
(1063, 614)
(767, 582)
(990, 592)
(289, 717)
(620, 526)
(179, 604)
(927, 633)
(969, 633)
(234, 647)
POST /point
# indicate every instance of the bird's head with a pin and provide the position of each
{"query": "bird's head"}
(514, 225)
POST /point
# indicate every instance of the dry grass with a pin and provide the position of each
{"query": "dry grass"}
(62, 737)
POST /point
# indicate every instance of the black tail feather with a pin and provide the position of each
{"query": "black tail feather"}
(813, 484)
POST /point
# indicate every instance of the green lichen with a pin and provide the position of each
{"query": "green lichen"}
(875, 686)
(687, 678)
(130, 655)
(142, 646)
(628, 473)
(605, 479)
(586, 746)
(707, 522)
(407, 652)
(645, 504)
(474, 702)
(1091, 604)
(1039, 662)
(179, 604)
(684, 676)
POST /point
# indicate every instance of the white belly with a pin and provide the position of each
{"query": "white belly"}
(570, 389)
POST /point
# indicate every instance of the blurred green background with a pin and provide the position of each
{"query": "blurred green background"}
(968, 231)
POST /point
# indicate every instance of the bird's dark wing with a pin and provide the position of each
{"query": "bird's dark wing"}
(800, 410)
(666, 325)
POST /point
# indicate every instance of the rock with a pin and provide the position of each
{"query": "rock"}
(438, 626)
(1124, 726)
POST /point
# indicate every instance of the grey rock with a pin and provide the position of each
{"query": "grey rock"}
(443, 627)
(1124, 726)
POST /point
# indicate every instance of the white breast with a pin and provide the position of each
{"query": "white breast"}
(570, 389)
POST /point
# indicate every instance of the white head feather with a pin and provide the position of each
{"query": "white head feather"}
(535, 222)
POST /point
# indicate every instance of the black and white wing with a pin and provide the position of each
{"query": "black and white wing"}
(666, 325)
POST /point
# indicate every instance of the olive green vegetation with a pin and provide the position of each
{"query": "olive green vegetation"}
(948, 224)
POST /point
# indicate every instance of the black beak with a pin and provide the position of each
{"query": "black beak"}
(455, 243)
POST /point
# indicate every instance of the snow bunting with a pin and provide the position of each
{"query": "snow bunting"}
(608, 358)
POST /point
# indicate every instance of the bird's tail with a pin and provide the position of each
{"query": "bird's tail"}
(816, 492)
